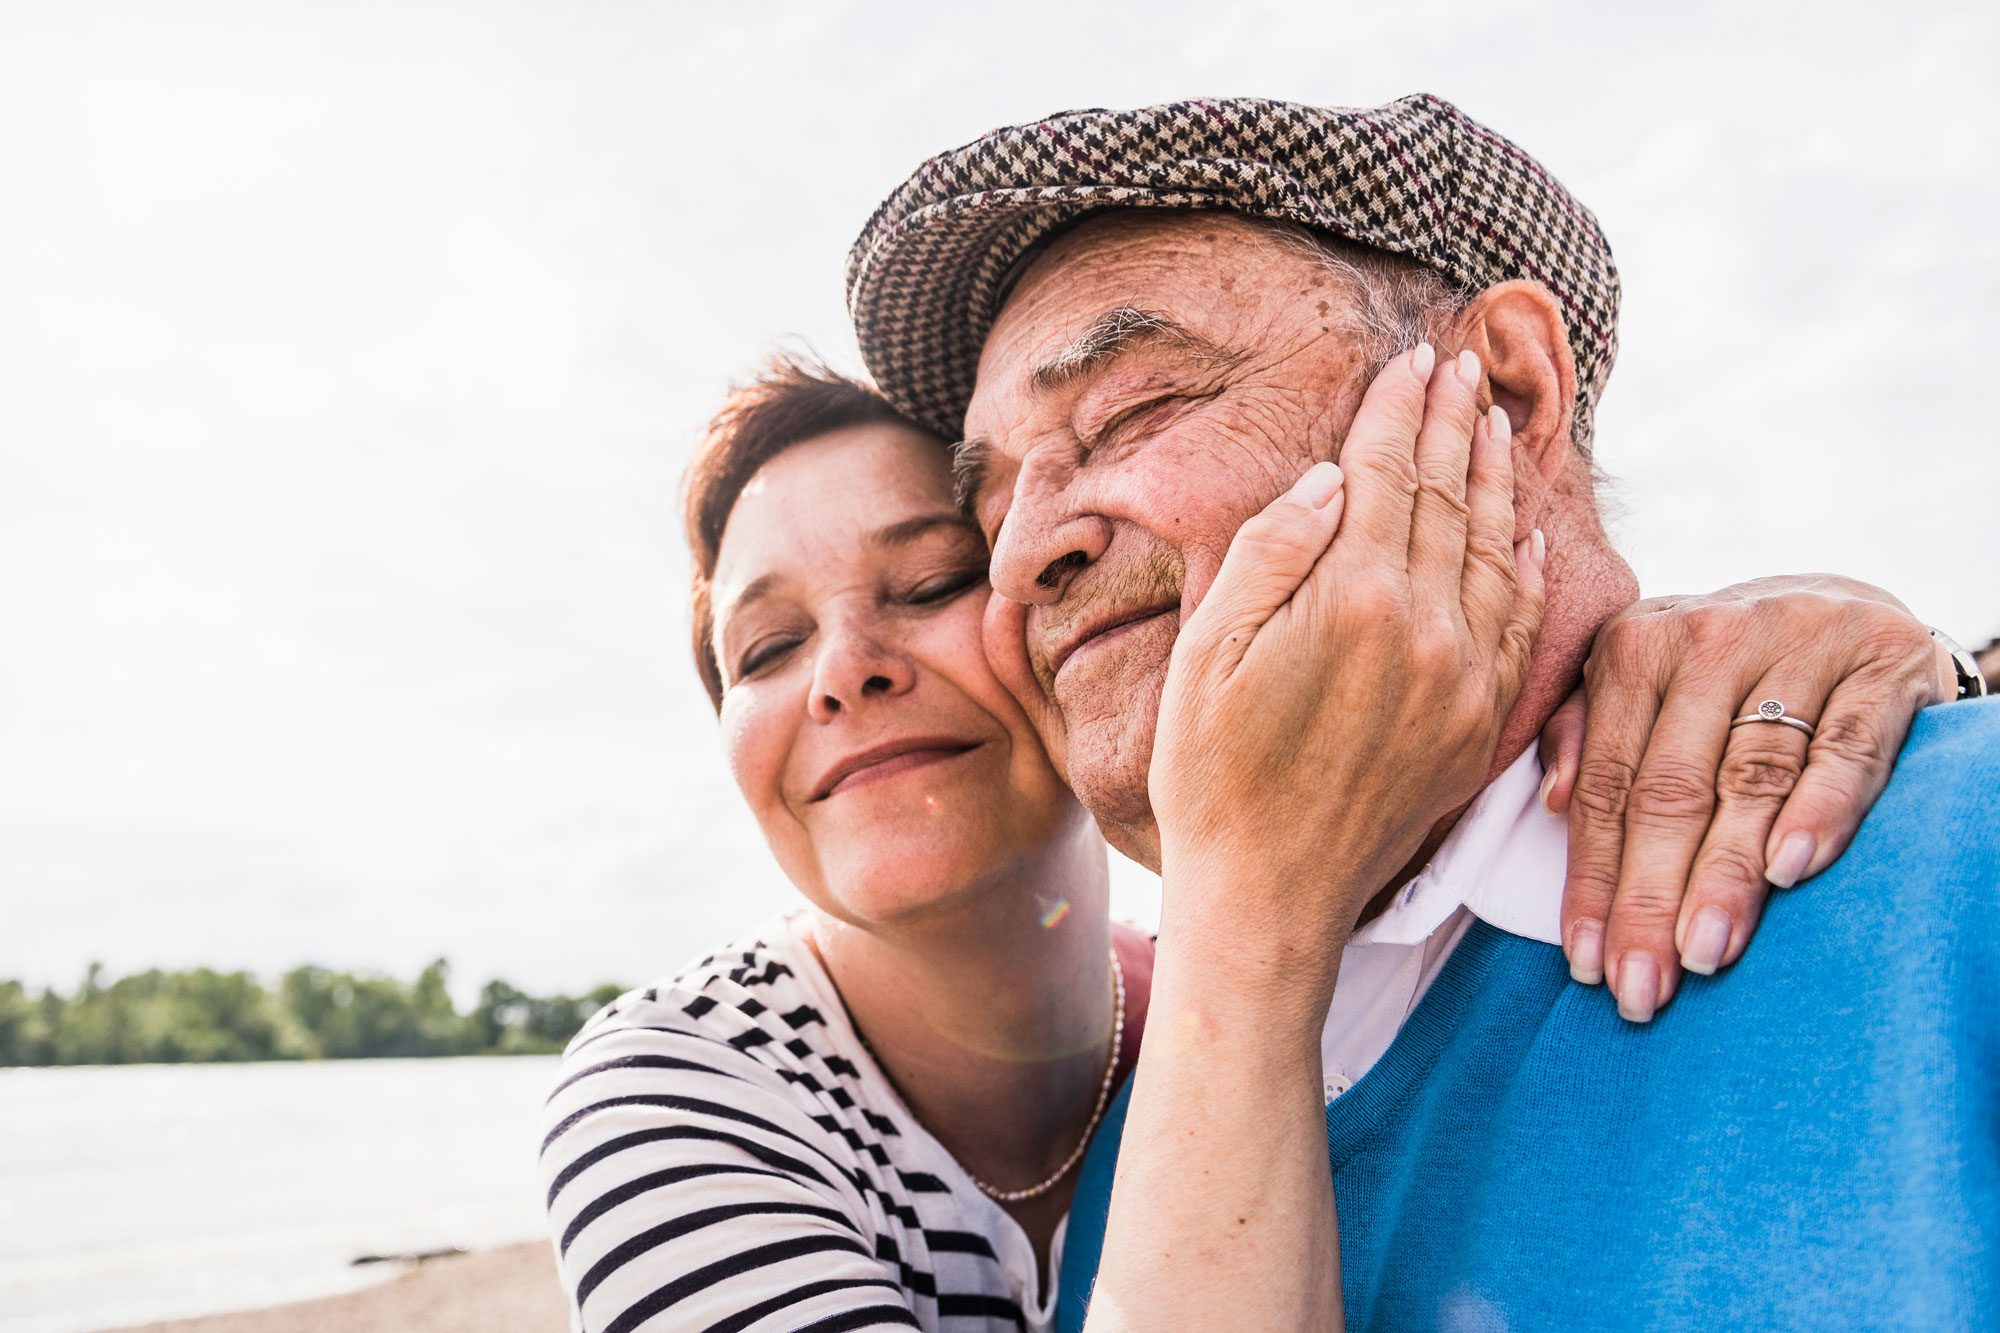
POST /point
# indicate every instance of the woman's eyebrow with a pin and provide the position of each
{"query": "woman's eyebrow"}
(910, 529)
(756, 590)
(899, 533)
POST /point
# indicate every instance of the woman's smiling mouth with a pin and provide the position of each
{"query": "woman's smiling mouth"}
(889, 760)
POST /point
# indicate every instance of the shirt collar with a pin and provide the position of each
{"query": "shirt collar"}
(1505, 862)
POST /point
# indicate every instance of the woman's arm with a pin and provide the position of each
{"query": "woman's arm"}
(1276, 705)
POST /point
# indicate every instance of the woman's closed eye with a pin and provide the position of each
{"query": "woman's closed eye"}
(764, 653)
(943, 588)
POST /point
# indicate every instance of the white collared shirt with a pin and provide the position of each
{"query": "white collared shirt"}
(1504, 863)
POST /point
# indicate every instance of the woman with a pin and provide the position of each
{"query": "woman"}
(867, 1114)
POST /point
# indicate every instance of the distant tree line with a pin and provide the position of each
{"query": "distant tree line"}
(313, 1013)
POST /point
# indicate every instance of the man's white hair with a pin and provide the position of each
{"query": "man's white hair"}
(1397, 301)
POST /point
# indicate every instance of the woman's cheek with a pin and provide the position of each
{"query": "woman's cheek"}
(757, 743)
(992, 627)
(954, 646)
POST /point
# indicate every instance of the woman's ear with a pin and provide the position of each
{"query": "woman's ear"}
(1518, 331)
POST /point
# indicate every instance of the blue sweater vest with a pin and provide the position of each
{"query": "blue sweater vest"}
(1809, 1140)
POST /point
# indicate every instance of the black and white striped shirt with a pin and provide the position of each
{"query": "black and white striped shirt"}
(722, 1153)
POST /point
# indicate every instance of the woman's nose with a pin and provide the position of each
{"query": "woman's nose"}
(856, 667)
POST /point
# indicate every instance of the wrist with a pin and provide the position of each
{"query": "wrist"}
(1266, 952)
(1228, 897)
(1249, 1010)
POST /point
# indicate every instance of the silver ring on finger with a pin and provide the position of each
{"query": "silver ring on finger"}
(1773, 711)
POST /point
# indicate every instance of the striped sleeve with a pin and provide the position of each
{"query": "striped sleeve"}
(690, 1187)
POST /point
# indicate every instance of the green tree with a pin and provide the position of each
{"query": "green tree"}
(501, 1011)
(311, 1013)
(24, 1032)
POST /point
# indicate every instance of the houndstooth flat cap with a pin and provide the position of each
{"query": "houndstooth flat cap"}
(1417, 177)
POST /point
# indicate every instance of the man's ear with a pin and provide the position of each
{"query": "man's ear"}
(1518, 331)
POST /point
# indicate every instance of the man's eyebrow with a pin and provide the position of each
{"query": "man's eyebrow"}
(1110, 336)
(971, 459)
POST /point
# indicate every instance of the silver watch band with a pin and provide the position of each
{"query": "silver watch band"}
(1971, 680)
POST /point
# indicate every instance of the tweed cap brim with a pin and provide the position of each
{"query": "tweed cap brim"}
(1417, 177)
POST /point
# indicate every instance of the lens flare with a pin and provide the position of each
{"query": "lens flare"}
(1053, 917)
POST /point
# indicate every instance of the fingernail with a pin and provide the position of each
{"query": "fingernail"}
(1500, 424)
(1548, 785)
(1638, 987)
(1468, 368)
(1795, 853)
(1707, 941)
(1317, 487)
(1586, 953)
(1538, 546)
(1423, 359)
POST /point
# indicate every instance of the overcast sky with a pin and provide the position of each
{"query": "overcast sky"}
(350, 353)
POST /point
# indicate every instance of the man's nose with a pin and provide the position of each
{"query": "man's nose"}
(856, 667)
(1042, 546)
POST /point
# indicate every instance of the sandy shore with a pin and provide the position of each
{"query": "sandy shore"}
(511, 1290)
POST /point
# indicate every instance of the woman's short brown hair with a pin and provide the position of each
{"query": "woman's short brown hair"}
(791, 399)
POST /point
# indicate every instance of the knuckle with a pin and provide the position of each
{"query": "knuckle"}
(1587, 894)
(1796, 610)
(1401, 473)
(1650, 606)
(1645, 906)
(1893, 643)
(1442, 482)
(1764, 773)
(1671, 792)
(1894, 625)
(1714, 627)
(1374, 600)
(1434, 653)
(1603, 787)
(1625, 646)
(1851, 738)
(1486, 546)
(1517, 643)
(1727, 870)
(1588, 889)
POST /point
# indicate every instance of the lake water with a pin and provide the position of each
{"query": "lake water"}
(154, 1191)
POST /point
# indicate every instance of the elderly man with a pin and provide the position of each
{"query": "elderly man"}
(1151, 323)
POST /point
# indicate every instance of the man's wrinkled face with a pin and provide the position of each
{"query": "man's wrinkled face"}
(1153, 380)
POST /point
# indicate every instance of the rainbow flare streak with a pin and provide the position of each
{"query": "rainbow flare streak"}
(1053, 917)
